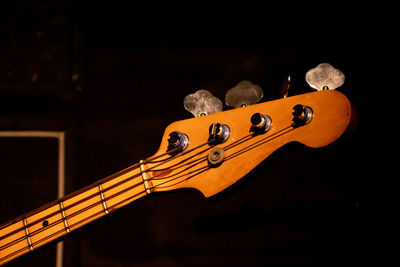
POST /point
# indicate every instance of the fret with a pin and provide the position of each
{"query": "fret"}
(125, 198)
(103, 201)
(82, 206)
(45, 222)
(12, 246)
(116, 192)
(146, 183)
(27, 234)
(12, 234)
(64, 217)
(46, 225)
(69, 213)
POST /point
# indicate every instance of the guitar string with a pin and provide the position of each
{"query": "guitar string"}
(61, 231)
(95, 194)
(168, 160)
(102, 181)
(159, 185)
(262, 141)
(82, 221)
(226, 148)
(150, 160)
(83, 200)
(233, 144)
(90, 197)
(182, 153)
(245, 149)
(190, 165)
(237, 142)
(75, 213)
(128, 169)
(199, 170)
(83, 210)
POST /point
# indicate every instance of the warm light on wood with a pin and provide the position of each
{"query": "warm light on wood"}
(332, 112)
(189, 169)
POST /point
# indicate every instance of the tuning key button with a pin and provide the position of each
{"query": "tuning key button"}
(324, 77)
(302, 115)
(177, 142)
(219, 133)
(261, 123)
(245, 93)
(202, 103)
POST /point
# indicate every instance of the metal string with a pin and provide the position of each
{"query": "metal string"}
(190, 163)
(150, 160)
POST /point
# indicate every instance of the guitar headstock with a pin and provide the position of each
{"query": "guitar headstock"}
(212, 152)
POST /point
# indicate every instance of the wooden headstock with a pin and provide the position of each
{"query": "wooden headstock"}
(193, 155)
(243, 150)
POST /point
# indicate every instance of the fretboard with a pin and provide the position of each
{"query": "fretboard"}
(56, 219)
(205, 164)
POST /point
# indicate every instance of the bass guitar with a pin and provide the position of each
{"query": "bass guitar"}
(208, 153)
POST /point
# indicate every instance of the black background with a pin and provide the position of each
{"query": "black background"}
(113, 75)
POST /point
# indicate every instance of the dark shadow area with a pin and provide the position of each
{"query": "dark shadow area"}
(113, 76)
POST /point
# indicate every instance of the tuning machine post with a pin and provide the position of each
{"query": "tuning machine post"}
(302, 115)
(177, 142)
(260, 123)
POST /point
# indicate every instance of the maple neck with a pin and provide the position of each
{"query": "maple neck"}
(200, 160)
(58, 218)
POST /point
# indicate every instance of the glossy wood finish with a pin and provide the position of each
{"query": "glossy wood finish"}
(188, 169)
(69, 213)
(332, 113)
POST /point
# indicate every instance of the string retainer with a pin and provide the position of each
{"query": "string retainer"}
(216, 156)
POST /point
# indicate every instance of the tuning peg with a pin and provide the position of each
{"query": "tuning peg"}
(325, 77)
(202, 103)
(245, 93)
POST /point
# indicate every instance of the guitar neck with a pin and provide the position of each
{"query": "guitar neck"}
(58, 218)
(210, 162)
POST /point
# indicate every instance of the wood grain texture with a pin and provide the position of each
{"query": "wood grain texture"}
(332, 113)
(77, 209)
(243, 151)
